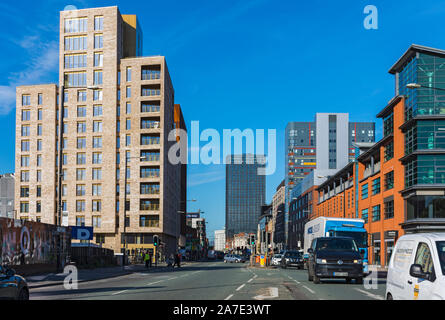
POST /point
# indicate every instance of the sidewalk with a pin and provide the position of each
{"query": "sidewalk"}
(85, 275)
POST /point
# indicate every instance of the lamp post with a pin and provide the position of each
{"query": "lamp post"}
(418, 86)
(61, 116)
(125, 205)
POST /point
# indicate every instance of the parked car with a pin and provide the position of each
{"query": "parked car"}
(234, 258)
(219, 255)
(416, 270)
(211, 255)
(12, 286)
(334, 257)
(276, 259)
(292, 259)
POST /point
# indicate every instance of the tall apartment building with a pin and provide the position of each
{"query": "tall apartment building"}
(7, 182)
(220, 240)
(118, 107)
(245, 194)
(325, 145)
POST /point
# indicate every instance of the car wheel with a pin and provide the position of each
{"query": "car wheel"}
(23, 295)
(316, 279)
(299, 267)
(389, 297)
(359, 280)
(348, 280)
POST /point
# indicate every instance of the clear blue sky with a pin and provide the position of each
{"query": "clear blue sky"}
(238, 64)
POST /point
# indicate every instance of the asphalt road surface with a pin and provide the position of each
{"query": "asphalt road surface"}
(213, 280)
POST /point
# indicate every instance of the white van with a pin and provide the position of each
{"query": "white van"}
(416, 270)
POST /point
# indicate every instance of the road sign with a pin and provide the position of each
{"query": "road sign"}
(82, 233)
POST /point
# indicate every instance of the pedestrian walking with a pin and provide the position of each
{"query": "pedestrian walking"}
(150, 259)
(146, 259)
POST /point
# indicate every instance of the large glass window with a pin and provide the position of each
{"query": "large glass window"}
(365, 191)
(365, 215)
(389, 180)
(99, 23)
(376, 213)
(425, 207)
(74, 25)
(388, 125)
(98, 59)
(389, 151)
(389, 209)
(149, 221)
(98, 41)
(73, 61)
(149, 205)
(376, 186)
(75, 43)
(426, 169)
(441, 252)
(76, 79)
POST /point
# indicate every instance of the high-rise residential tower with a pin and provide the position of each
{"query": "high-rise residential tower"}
(115, 118)
(245, 194)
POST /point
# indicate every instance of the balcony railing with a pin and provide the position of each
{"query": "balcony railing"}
(147, 124)
(151, 75)
(149, 207)
(150, 108)
(151, 92)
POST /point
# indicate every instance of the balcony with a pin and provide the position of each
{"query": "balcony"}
(151, 91)
(151, 73)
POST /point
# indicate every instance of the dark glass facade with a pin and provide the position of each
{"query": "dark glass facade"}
(245, 194)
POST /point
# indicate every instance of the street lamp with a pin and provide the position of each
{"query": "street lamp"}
(417, 86)
(62, 113)
(125, 204)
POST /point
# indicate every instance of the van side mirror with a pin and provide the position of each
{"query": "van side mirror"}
(417, 272)
(310, 250)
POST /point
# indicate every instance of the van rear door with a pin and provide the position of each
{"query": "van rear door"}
(398, 271)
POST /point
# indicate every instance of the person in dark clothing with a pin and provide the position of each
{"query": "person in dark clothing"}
(177, 260)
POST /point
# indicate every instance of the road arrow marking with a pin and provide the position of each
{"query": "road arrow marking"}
(371, 295)
(273, 294)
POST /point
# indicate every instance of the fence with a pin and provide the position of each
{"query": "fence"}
(90, 257)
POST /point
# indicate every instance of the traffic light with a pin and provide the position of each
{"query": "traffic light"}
(252, 240)
(155, 240)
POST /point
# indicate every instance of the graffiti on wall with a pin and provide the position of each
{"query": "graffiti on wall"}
(31, 243)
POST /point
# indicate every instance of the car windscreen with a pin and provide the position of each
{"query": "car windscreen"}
(360, 238)
(336, 245)
(441, 252)
(293, 254)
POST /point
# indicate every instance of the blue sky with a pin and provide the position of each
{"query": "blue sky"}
(238, 64)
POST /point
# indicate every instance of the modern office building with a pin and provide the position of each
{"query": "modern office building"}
(245, 193)
(325, 145)
(7, 191)
(107, 139)
(220, 240)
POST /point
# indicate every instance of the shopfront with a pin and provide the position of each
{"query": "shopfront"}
(390, 240)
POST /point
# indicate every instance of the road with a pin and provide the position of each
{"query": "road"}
(213, 281)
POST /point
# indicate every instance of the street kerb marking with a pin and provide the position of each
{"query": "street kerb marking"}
(371, 295)
(310, 290)
(229, 297)
(240, 287)
(273, 294)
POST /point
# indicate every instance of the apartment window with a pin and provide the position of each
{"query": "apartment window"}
(64, 190)
(81, 158)
(39, 129)
(128, 92)
(97, 95)
(118, 142)
(128, 140)
(128, 124)
(128, 110)
(97, 174)
(81, 96)
(150, 188)
(75, 79)
(24, 176)
(25, 161)
(150, 140)
(24, 192)
(151, 73)
(150, 124)
(64, 143)
(97, 142)
(97, 221)
(365, 215)
(39, 114)
(150, 156)
(80, 190)
(118, 111)
(80, 206)
(80, 174)
(97, 205)
(98, 23)
(149, 205)
(38, 207)
(65, 159)
(128, 172)
(376, 186)
(389, 209)
(40, 99)
(118, 157)
(127, 220)
(75, 61)
(97, 189)
(97, 126)
(150, 107)
(389, 151)
(365, 191)
(118, 126)
(97, 158)
(81, 112)
(26, 100)
(80, 220)
(24, 207)
(75, 25)
(128, 74)
(118, 77)
(389, 180)
(39, 145)
(81, 127)
(81, 143)
(26, 132)
(149, 221)
(64, 174)
(147, 172)
(98, 41)
(39, 175)
(118, 95)
(376, 213)
(98, 77)
(97, 110)
(26, 115)
(25, 146)
(128, 189)
(39, 191)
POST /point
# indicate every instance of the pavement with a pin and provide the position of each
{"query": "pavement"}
(213, 280)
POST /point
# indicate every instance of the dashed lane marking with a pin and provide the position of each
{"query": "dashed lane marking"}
(371, 295)
(119, 292)
(229, 297)
(240, 287)
(308, 289)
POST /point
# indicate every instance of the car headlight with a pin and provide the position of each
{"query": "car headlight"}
(358, 261)
(321, 261)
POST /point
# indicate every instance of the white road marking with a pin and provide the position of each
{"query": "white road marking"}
(255, 276)
(152, 283)
(119, 292)
(273, 294)
(310, 290)
(371, 295)
(240, 287)
(297, 282)
(173, 278)
(250, 280)
(229, 297)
